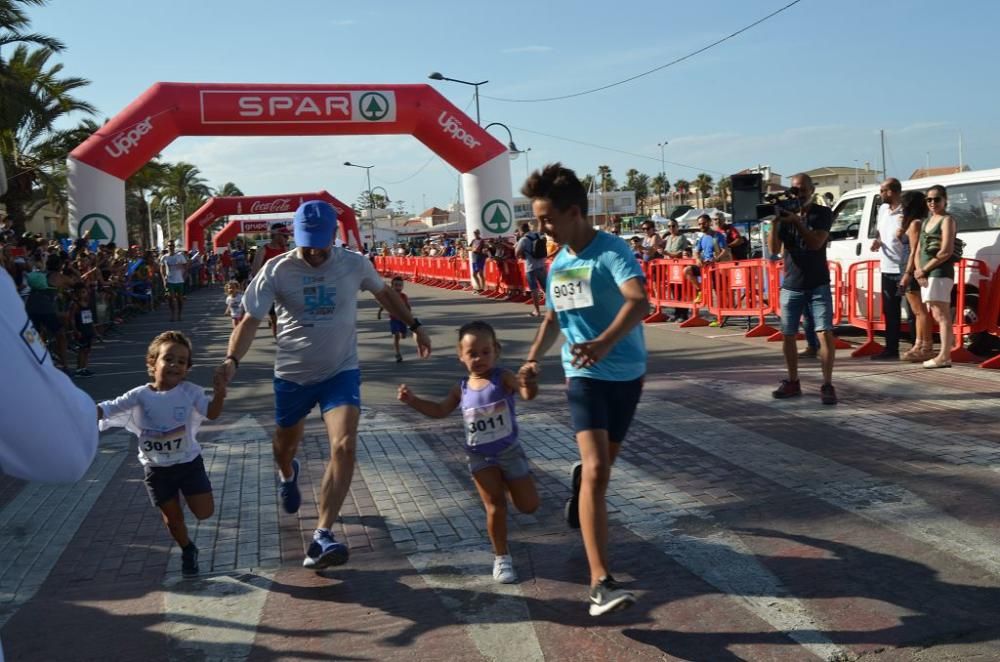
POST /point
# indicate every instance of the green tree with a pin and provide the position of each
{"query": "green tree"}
(138, 210)
(703, 185)
(660, 186)
(377, 200)
(725, 189)
(683, 188)
(184, 189)
(230, 190)
(638, 182)
(607, 182)
(35, 96)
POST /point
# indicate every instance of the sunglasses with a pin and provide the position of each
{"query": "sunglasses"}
(934, 200)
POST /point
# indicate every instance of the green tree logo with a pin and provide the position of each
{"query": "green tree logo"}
(497, 216)
(373, 106)
(100, 228)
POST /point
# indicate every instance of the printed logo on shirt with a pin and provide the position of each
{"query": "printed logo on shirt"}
(180, 413)
(319, 299)
(34, 342)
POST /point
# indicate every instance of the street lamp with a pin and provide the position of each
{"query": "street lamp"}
(368, 174)
(514, 151)
(437, 76)
(663, 174)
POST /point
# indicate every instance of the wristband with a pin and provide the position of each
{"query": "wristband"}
(416, 324)
(235, 360)
(531, 360)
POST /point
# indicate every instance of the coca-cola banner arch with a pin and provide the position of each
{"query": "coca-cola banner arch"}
(99, 167)
(216, 208)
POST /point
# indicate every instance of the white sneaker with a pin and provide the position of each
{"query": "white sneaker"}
(503, 569)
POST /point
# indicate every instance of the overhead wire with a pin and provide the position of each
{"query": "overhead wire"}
(655, 69)
(620, 151)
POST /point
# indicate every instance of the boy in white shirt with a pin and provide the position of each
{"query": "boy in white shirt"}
(165, 415)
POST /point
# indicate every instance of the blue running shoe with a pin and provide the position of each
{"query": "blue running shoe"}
(325, 551)
(289, 493)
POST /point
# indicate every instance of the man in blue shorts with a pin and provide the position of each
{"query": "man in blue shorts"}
(477, 248)
(315, 292)
(596, 296)
(801, 237)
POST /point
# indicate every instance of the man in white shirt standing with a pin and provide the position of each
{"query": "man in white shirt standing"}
(315, 292)
(889, 242)
(173, 267)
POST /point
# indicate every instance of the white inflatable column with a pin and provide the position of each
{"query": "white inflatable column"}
(96, 199)
(488, 205)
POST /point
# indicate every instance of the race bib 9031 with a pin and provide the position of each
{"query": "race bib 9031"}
(570, 289)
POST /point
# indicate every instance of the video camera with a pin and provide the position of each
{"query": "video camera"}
(787, 200)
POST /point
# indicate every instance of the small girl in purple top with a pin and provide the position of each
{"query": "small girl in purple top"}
(496, 459)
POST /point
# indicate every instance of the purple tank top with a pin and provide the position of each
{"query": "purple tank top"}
(490, 421)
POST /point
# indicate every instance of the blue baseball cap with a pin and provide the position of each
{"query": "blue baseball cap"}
(315, 223)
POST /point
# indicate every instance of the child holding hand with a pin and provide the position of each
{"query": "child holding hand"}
(165, 415)
(493, 451)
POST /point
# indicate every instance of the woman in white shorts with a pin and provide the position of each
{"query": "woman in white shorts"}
(935, 270)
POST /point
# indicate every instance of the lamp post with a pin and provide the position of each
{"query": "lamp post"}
(368, 175)
(437, 76)
(511, 147)
(663, 174)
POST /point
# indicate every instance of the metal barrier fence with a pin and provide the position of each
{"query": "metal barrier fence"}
(748, 288)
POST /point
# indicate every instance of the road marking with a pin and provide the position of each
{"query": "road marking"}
(429, 512)
(215, 616)
(650, 507)
(497, 618)
(952, 448)
(847, 488)
(41, 521)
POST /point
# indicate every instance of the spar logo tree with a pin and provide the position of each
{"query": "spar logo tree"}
(97, 227)
(497, 216)
(373, 106)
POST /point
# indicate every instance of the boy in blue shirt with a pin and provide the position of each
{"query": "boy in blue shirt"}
(596, 297)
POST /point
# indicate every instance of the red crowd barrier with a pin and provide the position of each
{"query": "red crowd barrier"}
(669, 288)
(992, 313)
(740, 289)
(861, 311)
(965, 270)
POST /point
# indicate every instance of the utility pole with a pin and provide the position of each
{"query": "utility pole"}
(882, 134)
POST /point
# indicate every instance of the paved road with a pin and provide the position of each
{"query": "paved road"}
(750, 528)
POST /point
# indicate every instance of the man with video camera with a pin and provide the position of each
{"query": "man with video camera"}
(800, 232)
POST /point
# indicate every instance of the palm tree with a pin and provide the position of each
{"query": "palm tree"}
(638, 182)
(660, 186)
(185, 187)
(703, 185)
(13, 20)
(138, 211)
(230, 190)
(724, 189)
(35, 97)
(683, 187)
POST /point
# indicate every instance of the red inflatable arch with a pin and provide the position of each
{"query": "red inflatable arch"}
(99, 166)
(239, 226)
(216, 208)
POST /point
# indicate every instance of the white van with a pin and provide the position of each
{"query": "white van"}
(973, 201)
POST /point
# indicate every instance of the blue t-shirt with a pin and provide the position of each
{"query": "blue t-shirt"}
(583, 290)
(706, 245)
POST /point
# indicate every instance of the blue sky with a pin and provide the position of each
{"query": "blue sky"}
(808, 88)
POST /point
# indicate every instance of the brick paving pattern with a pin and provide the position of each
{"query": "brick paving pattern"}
(750, 529)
